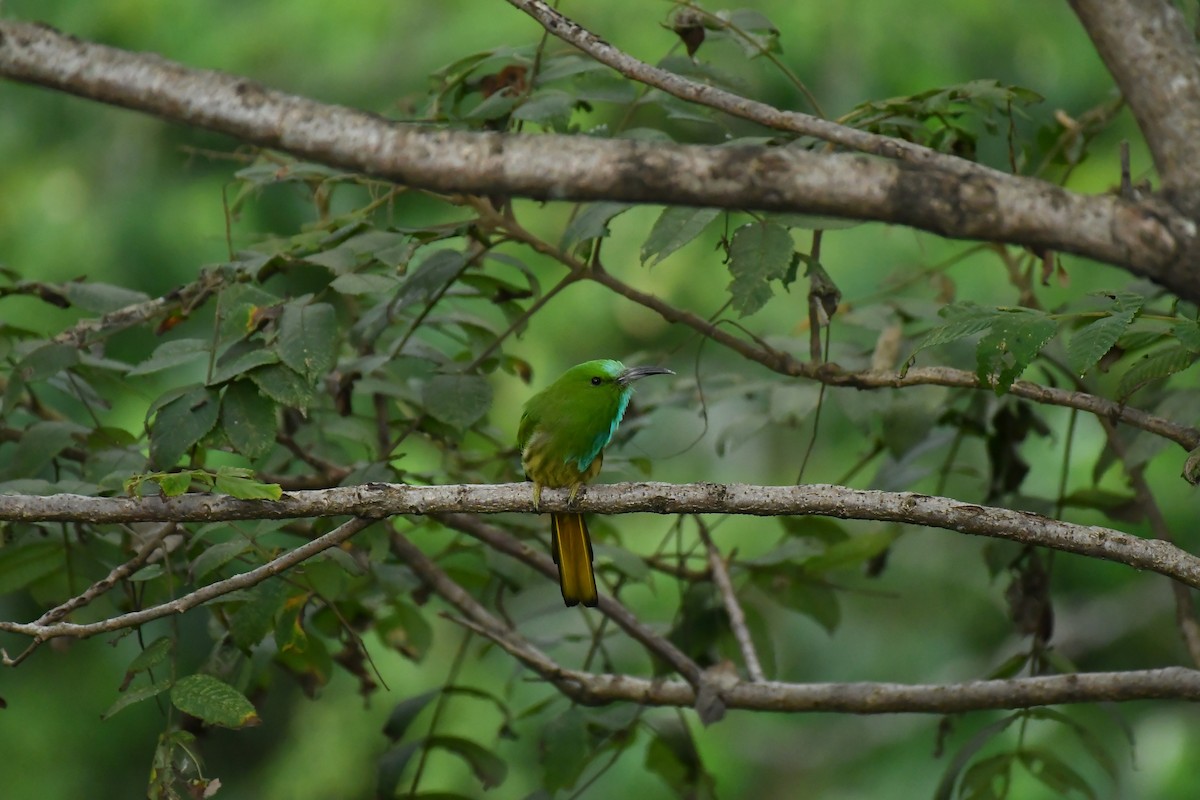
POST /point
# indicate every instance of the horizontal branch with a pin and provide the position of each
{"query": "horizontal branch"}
(378, 500)
(1171, 683)
(1146, 238)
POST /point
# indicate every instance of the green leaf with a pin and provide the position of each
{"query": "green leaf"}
(153, 655)
(364, 283)
(592, 223)
(404, 713)
(180, 424)
(1155, 366)
(240, 359)
(758, 254)
(406, 630)
(172, 354)
(308, 337)
(851, 552)
(246, 488)
(546, 106)
(22, 564)
(283, 385)
(101, 298)
(457, 400)
(987, 779)
(945, 787)
(1187, 331)
(675, 227)
(213, 701)
(1011, 345)
(174, 484)
(135, 696)
(249, 419)
(39, 445)
(217, 556)
(251, 623)
(489, 768)
(431, 277)
(673, 756)
(45, 362)
(1087, 737)
(1055, 773)
(564, 750)
(1090, 343)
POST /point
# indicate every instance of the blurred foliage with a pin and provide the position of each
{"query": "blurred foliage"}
(332, 329)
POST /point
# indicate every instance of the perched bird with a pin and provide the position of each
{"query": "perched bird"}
(562, 437)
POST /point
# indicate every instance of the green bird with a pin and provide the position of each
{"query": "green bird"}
(562, 437)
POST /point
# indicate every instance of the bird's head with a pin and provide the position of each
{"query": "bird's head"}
(607, 375)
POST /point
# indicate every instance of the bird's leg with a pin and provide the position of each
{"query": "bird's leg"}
(574, 492)
(537, 495)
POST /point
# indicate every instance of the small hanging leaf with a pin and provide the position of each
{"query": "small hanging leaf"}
(213, 701)
(21, 565)
(135, 696)
(675, 227)
(564, 750)
(1055, 773)
(404, 713)
(592, 223)
(758, 254)
(489, 768)
(283, 385)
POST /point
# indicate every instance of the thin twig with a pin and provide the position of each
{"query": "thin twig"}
(737, 619)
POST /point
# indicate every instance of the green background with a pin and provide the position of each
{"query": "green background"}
(87, 190)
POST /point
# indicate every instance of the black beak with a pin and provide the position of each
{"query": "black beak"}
(634, 373)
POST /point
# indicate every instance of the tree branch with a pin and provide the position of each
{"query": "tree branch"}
(41, 632)
(378, 500)
(1151, 53)
(1171, 683)
(737, 618)
(1144, 238)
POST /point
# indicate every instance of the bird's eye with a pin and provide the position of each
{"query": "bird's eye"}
(596, 381)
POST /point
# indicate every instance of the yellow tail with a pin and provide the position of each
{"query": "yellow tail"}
(572, 550)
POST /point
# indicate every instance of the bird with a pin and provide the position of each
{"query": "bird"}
(563, 432)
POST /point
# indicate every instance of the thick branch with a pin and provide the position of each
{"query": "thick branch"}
(981, 205)
(381, 500)
(1151, 53)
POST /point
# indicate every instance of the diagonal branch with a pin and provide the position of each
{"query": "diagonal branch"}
(378, 500)
(1146, 238)
(1151, 53)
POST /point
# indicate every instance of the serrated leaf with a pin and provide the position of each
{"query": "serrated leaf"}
(180, 424)
(1187, 332)
(251, 623)
(241, 359)
(249, 419)
(759, 253)
(283, 385)
(101, 298)
(21, 565)
(172, 354)
(675, 227)
(1155, 366)
(489, 768)
(457, 400)
(1010, 346)
(213, 701)
(308, 338)
(1090, 343)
